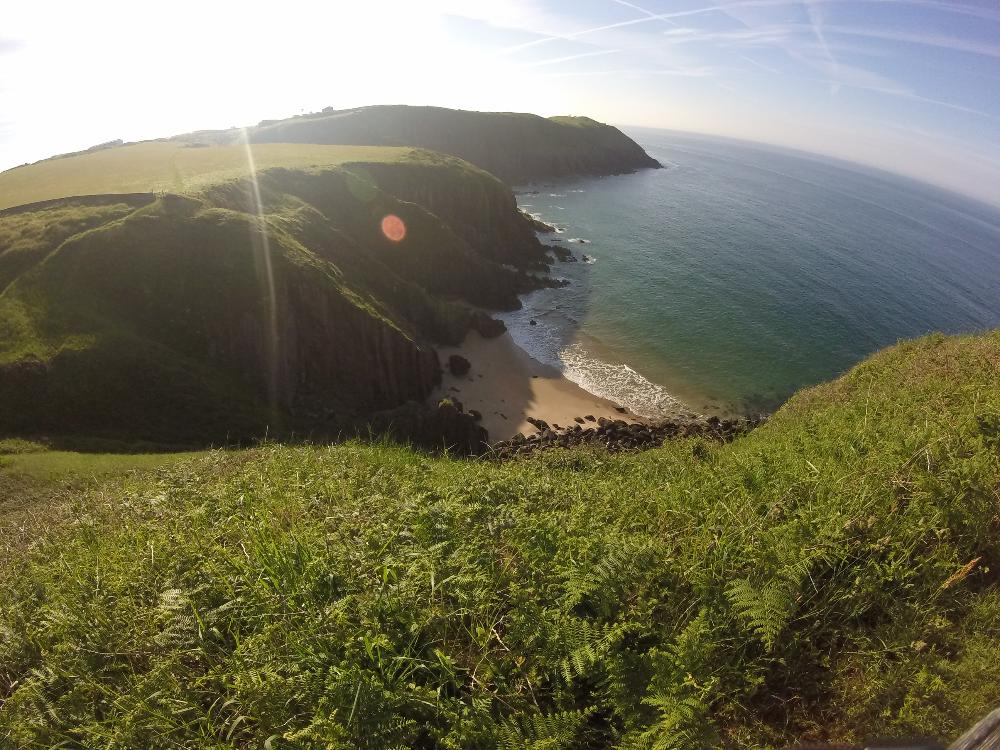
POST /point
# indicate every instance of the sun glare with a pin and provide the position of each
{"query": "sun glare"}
(393, 228)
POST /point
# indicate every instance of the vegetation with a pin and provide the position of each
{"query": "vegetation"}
(167, 318)
(174, 167)
(516, 147)
(831, 575)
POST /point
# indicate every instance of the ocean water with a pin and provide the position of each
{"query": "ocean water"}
(739, 274)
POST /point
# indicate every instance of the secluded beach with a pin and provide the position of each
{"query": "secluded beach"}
(507, 386)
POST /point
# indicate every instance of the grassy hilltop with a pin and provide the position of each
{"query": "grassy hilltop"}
(173, 167)
(516, 147)
(831, 575)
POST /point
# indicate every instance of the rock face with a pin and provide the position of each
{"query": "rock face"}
(517, 148)
(482, 211)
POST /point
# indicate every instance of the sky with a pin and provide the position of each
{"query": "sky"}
(910, 86)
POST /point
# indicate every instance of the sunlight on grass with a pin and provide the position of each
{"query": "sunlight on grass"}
(170, 166)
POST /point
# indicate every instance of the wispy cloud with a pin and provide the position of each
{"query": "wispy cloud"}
(702, 72)
(648, 13)
(941, 41)
(760, 65)
(929, 100)
(779, 33)
(815, 19)
(726, 8)
(568, 58)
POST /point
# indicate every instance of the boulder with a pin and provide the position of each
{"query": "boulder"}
(458, 365)
(487, 327)
(539, 424)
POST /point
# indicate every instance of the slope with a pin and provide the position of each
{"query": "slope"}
(830, 576)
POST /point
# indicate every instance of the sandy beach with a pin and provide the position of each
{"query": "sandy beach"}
(507, 386)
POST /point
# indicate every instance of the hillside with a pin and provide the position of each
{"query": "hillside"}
(516, 147)
(830, 576)
(163, 304)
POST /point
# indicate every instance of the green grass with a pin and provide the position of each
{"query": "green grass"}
(52, 465)
(829, 576)
(175, 167)
(39, 487)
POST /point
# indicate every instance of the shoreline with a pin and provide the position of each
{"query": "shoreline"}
(507, 386)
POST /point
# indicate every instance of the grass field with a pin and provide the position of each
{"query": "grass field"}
(41, 464)
(830, 576)
(40, 487)
(172, 166)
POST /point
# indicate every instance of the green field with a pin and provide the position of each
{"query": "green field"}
(830, 576)
(172, 166)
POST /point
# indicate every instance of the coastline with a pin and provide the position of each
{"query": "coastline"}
(507, 386)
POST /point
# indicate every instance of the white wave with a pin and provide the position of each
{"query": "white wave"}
(580, 240)
(557, 195)
(619, 383)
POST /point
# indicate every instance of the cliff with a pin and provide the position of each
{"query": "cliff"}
(518, 148)
(171, 324)
(477, 206)
(210, 316)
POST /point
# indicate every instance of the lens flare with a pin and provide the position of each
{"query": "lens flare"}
(393, 228)
(261, 244)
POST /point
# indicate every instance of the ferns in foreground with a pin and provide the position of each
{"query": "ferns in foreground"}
(811, 579)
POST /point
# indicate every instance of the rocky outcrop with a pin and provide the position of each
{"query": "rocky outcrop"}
(477, 206)
(617, 435)
(486, 326)
(445, 427)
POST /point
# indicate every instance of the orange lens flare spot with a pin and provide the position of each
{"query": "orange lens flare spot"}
(393, 228)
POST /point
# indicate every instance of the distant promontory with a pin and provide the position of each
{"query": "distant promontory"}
(516, 147)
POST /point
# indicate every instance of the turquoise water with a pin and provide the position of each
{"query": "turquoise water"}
(739, 273)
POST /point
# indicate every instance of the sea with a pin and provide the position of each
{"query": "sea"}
(740, 273)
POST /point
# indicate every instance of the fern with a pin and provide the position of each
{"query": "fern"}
(543, 731)
(178, 628)
(766, 609)
(682, 724)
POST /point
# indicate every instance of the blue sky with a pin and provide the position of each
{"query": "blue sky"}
(911, 86)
